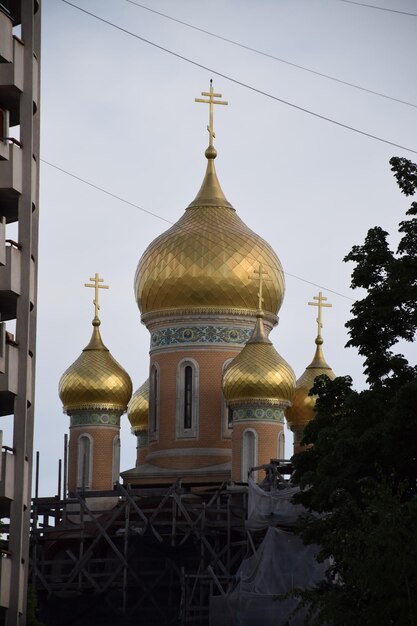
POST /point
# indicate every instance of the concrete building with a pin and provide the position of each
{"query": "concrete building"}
(19, 196)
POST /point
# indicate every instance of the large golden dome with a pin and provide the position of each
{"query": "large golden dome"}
(205, 262)
(258, 373)
(138, 408)
(302, 410)
(95, 380)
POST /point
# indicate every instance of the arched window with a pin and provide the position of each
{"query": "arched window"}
(116, 460)
(187, 399)
(85, 462)
(249, 452)
(227, 412)
(281, 446)
(154, 402)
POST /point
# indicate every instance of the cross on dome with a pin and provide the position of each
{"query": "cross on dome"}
(320, 303)
(96, 286)
(211, 102)
(259, 276)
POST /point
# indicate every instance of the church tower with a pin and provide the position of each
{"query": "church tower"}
(138, 413)
(197, 298)
(303, 405)
(258, 386)
(94, 392)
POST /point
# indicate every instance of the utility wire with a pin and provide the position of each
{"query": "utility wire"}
(242, 84)
(109, 193)
(372, 6)
(136, 206)
(271, 56)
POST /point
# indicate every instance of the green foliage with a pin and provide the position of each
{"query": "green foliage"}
(359, 479)
(32, 604)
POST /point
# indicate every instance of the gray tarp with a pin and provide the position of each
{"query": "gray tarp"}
(281, 563)
(271, 508)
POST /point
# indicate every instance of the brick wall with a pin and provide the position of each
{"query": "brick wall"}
(210, 432)
(267, 444)
(103, 437)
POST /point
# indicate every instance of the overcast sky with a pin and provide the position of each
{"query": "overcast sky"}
(120, 114)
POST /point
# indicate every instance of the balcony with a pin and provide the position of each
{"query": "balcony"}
(11, 81)
(2, 240)
(8, 374)
(6, 481)
(4, 145)
(15, 7)
(4, 133)
(11, 183)
(5, 578)
(6, 38)
(10, 283)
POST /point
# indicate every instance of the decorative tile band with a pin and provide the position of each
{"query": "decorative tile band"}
(269, 413)
(200, 334)
(85, 418)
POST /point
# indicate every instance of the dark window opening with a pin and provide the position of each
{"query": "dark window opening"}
(229, 417)
(154, 400)
(188, 392)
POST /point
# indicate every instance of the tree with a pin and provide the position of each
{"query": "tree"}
(359, 479)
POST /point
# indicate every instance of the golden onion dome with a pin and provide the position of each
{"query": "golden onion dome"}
(205, 261)
(138, 408)
(258, 373)
(302, 410)
(95, 380)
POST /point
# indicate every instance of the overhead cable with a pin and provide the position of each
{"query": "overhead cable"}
(240, 83)
(271, 56)
(373, 6)
(136, 206)
(109, 193)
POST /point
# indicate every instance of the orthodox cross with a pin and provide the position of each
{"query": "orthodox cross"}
(96, 280)
(211, 101)
(320, 303)
(259, 276)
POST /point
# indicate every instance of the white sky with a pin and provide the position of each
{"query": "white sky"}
(121, 114)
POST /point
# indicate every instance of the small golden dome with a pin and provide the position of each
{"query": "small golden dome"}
(205, 261)
(138, 408)
(95, 380)
(302, 410)
(258, 373)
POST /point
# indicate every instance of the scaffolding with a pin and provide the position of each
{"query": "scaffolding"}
(152, 555)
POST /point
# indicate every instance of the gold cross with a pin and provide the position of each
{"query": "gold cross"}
(96, 286)
(211, 101)
(259, 275)
(320, 303)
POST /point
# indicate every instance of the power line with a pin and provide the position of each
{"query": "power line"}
(136, 206)
(372, 6)
(304, 280)
(109, 193)
(240, 83)
(271, 56)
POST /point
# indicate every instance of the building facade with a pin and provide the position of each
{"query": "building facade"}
(19, 209)
(209, 291)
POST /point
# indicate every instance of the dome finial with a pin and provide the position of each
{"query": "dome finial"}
(320, 303)
(259, 276)
(259, 335)
(318, 360)
(96, 280)
(211, 151)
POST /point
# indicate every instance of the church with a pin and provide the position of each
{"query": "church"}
(163, 539)
(209, 291)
